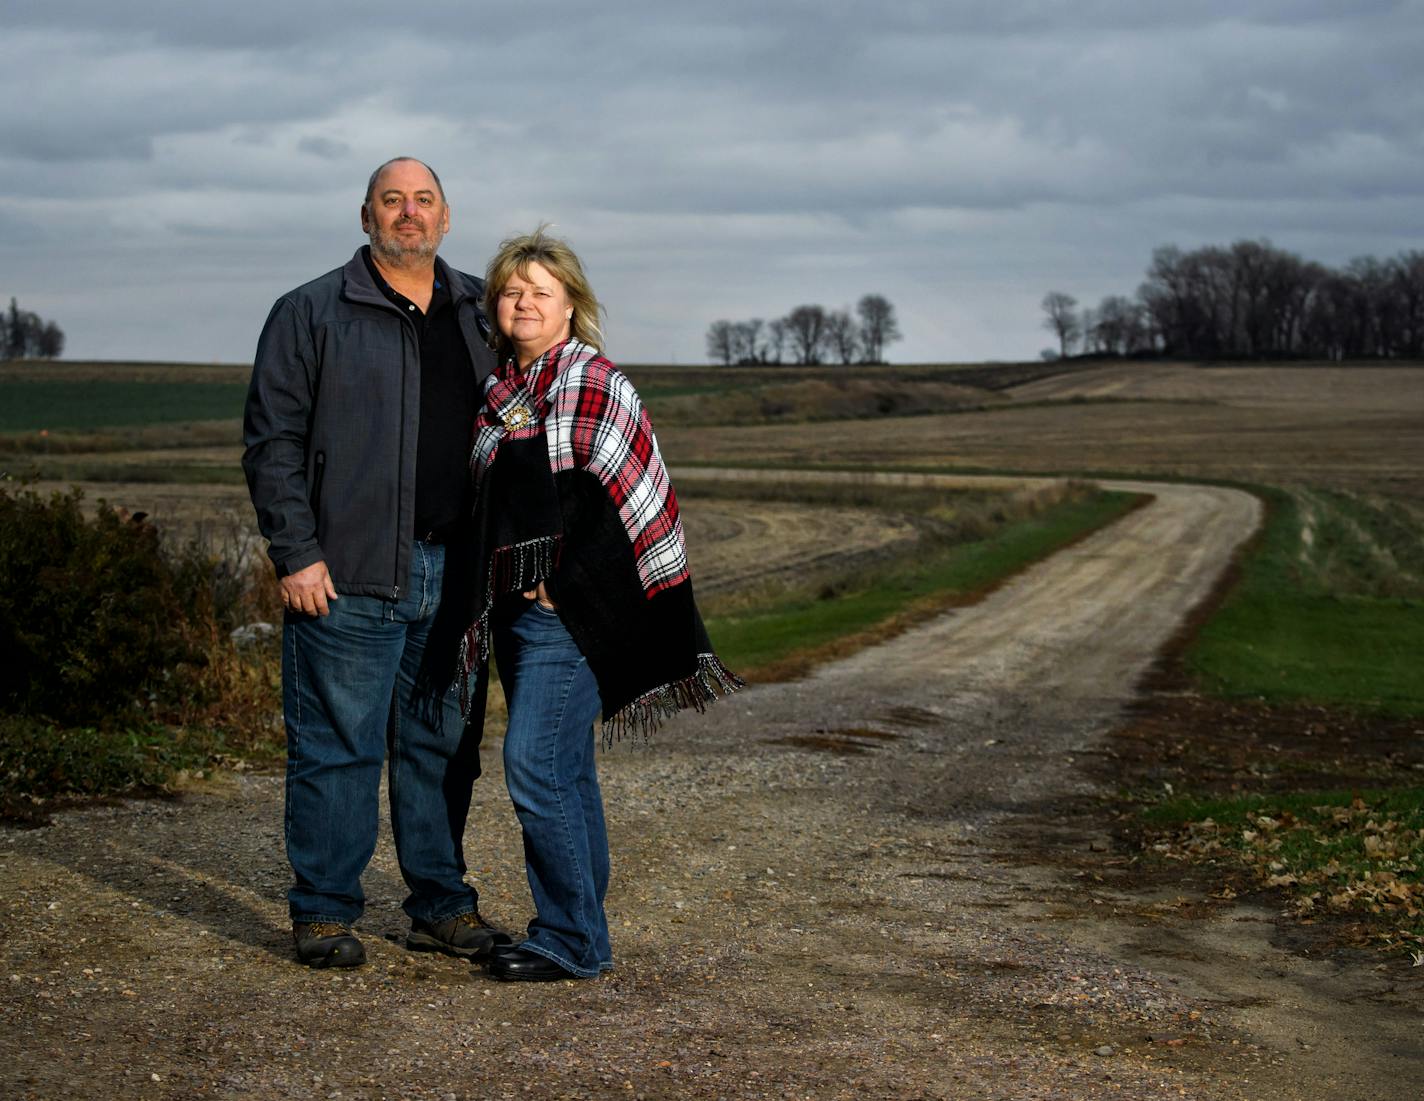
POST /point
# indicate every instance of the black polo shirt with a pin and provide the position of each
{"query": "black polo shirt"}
(448, 402)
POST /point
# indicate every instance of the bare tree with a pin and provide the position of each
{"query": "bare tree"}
(1376, 303)
(1088, 331)
(14, 332)
(1119, 326)
(878, 326)
(722, 343)
(808, 334)
(1408, 270)
(746, 339)
(1061, 319)
(1164, 297)
(776, 338)
(842, 340)
(50, 343)
(1332, 328)
(26, 335)
(1253, 299)
(806, 331)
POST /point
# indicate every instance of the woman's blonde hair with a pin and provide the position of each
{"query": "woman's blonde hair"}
(514, 257)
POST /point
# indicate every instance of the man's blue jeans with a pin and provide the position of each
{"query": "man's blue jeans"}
(550, 770)
(349, 699)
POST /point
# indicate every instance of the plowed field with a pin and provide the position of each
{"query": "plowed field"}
(1347, 427)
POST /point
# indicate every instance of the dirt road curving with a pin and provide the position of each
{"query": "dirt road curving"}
(821, 890)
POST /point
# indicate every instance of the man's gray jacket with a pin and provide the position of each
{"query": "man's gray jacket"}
(331, 425)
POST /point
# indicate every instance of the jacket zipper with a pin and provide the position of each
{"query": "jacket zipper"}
(408, 333)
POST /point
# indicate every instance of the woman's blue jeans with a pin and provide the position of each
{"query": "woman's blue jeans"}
(350, 701)
(550, 770)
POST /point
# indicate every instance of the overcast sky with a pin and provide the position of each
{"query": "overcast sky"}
(167, 169)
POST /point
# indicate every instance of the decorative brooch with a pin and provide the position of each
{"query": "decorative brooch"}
(516, 417)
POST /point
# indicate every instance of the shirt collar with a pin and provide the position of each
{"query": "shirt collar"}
(440, 294)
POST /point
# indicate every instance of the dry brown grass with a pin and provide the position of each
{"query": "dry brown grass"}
(92, 371)
(849, 397)
(1351, 428)
(114, 445)
(218, 516)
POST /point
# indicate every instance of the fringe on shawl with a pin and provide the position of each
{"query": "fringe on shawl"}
(645, 714)
(517, 567)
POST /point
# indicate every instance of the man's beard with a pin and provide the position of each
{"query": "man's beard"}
(401, 250)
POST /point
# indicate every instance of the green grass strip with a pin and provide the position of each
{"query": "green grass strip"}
(775, 633)
(1280, 637)
(1232, 812)
(100, 403)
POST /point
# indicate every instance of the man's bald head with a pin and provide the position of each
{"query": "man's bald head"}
(376, 175)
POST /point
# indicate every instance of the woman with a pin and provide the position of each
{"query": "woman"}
(582, 586)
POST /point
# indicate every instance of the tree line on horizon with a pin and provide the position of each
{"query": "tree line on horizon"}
(1252, 300)
(809, 334)
(28, 336)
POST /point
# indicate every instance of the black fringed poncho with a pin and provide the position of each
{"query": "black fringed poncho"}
(570, 490)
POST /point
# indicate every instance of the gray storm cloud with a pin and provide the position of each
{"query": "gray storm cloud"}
(960, 158)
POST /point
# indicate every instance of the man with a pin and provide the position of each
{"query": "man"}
(357, 429)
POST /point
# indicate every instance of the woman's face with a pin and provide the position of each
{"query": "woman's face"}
(533, 311)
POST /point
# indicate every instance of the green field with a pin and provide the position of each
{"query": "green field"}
(1329, 609)
(32, 406)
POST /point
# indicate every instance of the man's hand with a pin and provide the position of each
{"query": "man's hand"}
(308, 590)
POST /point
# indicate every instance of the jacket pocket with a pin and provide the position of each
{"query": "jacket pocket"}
(318, 475)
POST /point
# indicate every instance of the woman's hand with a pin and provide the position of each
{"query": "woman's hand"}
(540, 594)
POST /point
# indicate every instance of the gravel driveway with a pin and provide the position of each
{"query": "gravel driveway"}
(821, 890)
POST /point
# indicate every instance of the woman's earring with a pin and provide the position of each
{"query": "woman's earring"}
(569, 316)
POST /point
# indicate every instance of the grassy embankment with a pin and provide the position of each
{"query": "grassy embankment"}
(1328, 613)
(1329, 609)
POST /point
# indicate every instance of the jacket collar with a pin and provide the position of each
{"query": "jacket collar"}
(358, 286)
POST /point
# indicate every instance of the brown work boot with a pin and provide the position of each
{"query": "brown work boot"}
(327, 944)
(468, 936)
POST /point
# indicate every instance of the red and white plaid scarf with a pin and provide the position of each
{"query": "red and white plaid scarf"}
(593, 420)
